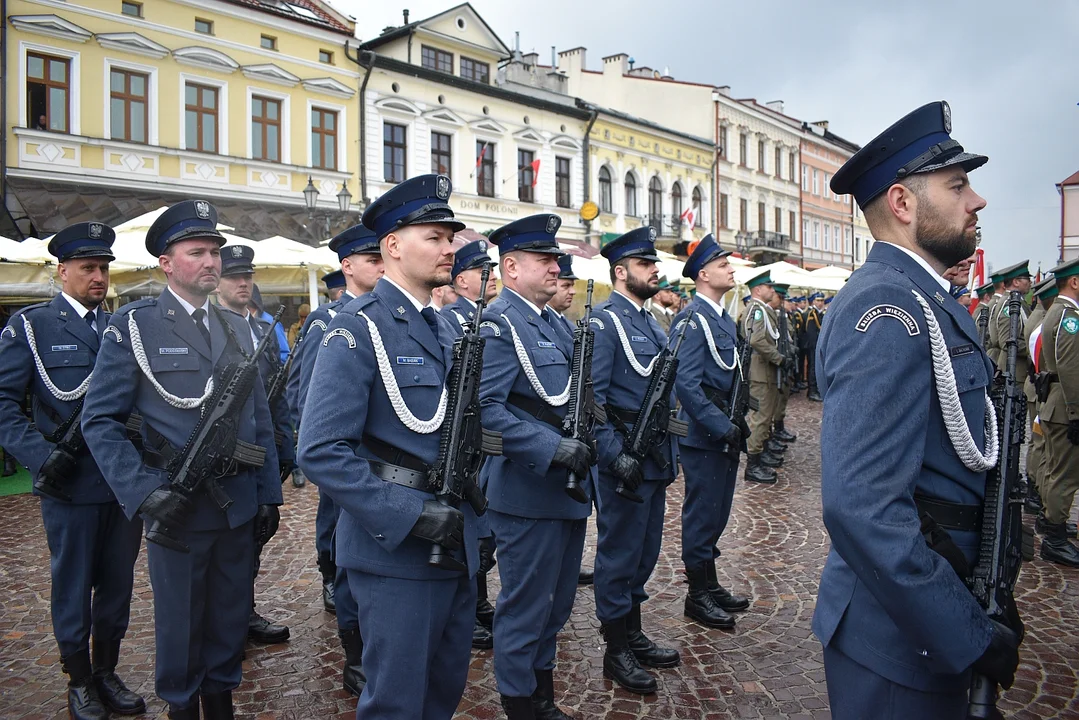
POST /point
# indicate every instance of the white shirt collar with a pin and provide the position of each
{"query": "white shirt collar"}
(349, 292)
(78, 306)
(415, 303)
(191, 308)
(527, 302)
(554, 312)
(718, 308)
(470, 302)
(634, 302)
(928, 268)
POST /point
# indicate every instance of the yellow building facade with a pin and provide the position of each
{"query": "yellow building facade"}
(117, 107)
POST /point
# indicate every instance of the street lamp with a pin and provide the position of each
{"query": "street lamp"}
(344, 198)
(310, 199)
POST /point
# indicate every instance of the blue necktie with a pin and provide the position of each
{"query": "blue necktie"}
(197, 316)
(428, 314)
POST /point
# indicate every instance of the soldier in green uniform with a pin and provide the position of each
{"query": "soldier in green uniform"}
(777, 443)
(1016, 277)
(981, 313)
(759, 326)
(1044, 292)
(1059, 417)
(992, 342)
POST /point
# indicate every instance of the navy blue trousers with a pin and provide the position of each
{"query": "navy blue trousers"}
(326, 541)
(538, 563)
(710, 478)
(856, 692)
(92, 552)
(628, 546)
(325, 522)
(417, 640)
(202, 602)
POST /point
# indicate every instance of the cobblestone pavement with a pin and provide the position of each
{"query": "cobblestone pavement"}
(769, 667)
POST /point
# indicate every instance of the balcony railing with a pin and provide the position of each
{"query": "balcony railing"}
(665, 225)
(765, 240)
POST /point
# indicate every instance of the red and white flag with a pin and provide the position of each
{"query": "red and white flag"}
(535, 172)
(977, 277)
(689, 216)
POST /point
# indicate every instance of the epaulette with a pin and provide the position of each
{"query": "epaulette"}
(135, 305)
(35, 306)
(362, 302)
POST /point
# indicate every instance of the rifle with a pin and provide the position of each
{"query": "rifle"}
(1000, 551)
(211, 449)
(784, 347)
(739, 401)
(581, 417)
(276, 386)
(463, 442)
(983, 324)
(654, 419)
(61, 461)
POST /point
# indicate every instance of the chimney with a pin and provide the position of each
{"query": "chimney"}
(724, 90)
(517, 46)
(776, 105)
(822, 124)
(405, 12)
(554, 57)
(616, 64)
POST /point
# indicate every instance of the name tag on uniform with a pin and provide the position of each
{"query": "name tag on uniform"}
(638, 338)
(959, 350)
(402, 360)
(545, 344)
(64, 348)
(172, 351)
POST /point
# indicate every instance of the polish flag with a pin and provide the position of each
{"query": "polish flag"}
(535, 172)
(978, 277)
(689, 216)
(1034, 346)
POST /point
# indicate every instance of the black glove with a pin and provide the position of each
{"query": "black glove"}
(440, 524)
(574, 455)
(1001, 658)
(286, 469)
(267, 520)
(733, 439)
(58, 466)
(1073, 432)
(627, 469)
(167, 506)
(487, 554)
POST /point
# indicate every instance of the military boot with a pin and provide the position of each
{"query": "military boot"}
(586, 577)
(647, 652)
(110, 688)
(261, 630)
(699, 603)
(187, 713)
(775, 447)
(770, 459)
(217, 706)
(485, 611)
(83, 702)
(619, 662)
(518, 708)
(813, 395)
(328, 568)
(543, 707)
(1040, 525)
(298, 478)
(10, 467)
(353, 678)
(722, 596)
(782, 434)
(756, 472)
(1056, 547)
(482, 639)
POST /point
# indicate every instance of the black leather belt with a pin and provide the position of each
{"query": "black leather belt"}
(399, 466)
(537, 409)
(950, 515)
(627, 416)
(718, 398)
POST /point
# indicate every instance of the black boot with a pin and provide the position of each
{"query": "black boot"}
(586, 577)
(647, 652)
(782, 434)
(10, 466)
(543, 707)
(328, 568)
(298, 478)
(619, 662)
(756, 472)
(1057, 548)
(217, 706)
(699, 603)
(485, 611)
(187, 713)
(770, 459)
(775, 447)
(353, 677)
(722, 596)
(261, 630)
(83, 702)
(110, 688)
(518, 708)
(1040, 525)
(482, 639)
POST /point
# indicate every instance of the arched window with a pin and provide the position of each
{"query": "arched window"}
(676, 202)
(655, 203)
(697, 206)
(604, 190)
(631, 195)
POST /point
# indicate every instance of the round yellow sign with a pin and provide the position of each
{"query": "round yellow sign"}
(589, 211)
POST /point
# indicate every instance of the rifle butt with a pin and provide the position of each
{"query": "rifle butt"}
(624, 492)
(983, 697)
(575, 490)
(51, 489)
(160, 534)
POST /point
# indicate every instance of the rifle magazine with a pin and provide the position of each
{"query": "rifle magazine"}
(491, 442)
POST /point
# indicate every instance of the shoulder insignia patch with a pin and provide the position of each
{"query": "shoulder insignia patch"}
(1070, 325)
(492, 326)
(888, 311)
(597, 322)
(115, 332)
(320, 324)
(339, 332)
(170, 311)
(758, 314)
(1005, 312)
(9, 331)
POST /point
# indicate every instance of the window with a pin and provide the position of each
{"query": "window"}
(526, 176)
(200, 118)
(778, 169)
(435, 59)
(485, 164)
(48, 98)
(655, 204)
(698, 202)
(827, 236)
(723, 141)
(323, 139)
(442, 154)
(724, 210)
(394, 152)
(779, 220)
(631, 195)
(743, 149)
(676, 203)
(792, 164)
(604, 190)
(792, 224)
(325, 56)
(760, 156)
(475, 70)
(265, 129)
(816, 234)
(816, 182)
(267, 42)
(743, 215)
(561, 182)
(825, 191)
(760, 216)
(805, 179)
(205, 27)
(128, 109)
(133, 9)
(805, 229)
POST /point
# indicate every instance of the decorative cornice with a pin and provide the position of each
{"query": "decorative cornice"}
(51, 25)
(207, 58)
(132, 42)
(269, 72)
(328, 86)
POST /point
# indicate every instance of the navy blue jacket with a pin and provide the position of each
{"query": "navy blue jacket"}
(299, 376)
(459, 312)
(698, 369)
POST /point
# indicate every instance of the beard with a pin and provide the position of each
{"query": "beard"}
(948, 244)
(640, 289)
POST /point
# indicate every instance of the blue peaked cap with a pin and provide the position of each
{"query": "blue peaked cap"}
(565, 268)
(472, 255)
(334, 279)
(357, 239)
(706, 251)
(639, 243)
(418, 201)
(535, 233)
(237, 260)
(187, 220)
(83, 240)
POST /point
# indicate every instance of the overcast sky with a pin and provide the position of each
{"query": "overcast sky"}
(1009, 70)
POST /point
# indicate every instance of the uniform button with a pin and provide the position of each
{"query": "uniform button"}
(531, 466)
(971, 379)
(415, 378)
(175, 364)
(67, 362)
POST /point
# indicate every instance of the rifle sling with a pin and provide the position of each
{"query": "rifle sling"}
(398, 466)
(537, 409)
(950, 515)
(158, 452)
(626, 418)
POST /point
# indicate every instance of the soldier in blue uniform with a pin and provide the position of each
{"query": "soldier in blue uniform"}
(50, 349)
(235, 290)
(900, 630)
(160, 357)
(565, 292)
(468, 264)
(707, 363)
(371, 450)
(630, 525)
(538, 528)
(358, 251)
(335, 284)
